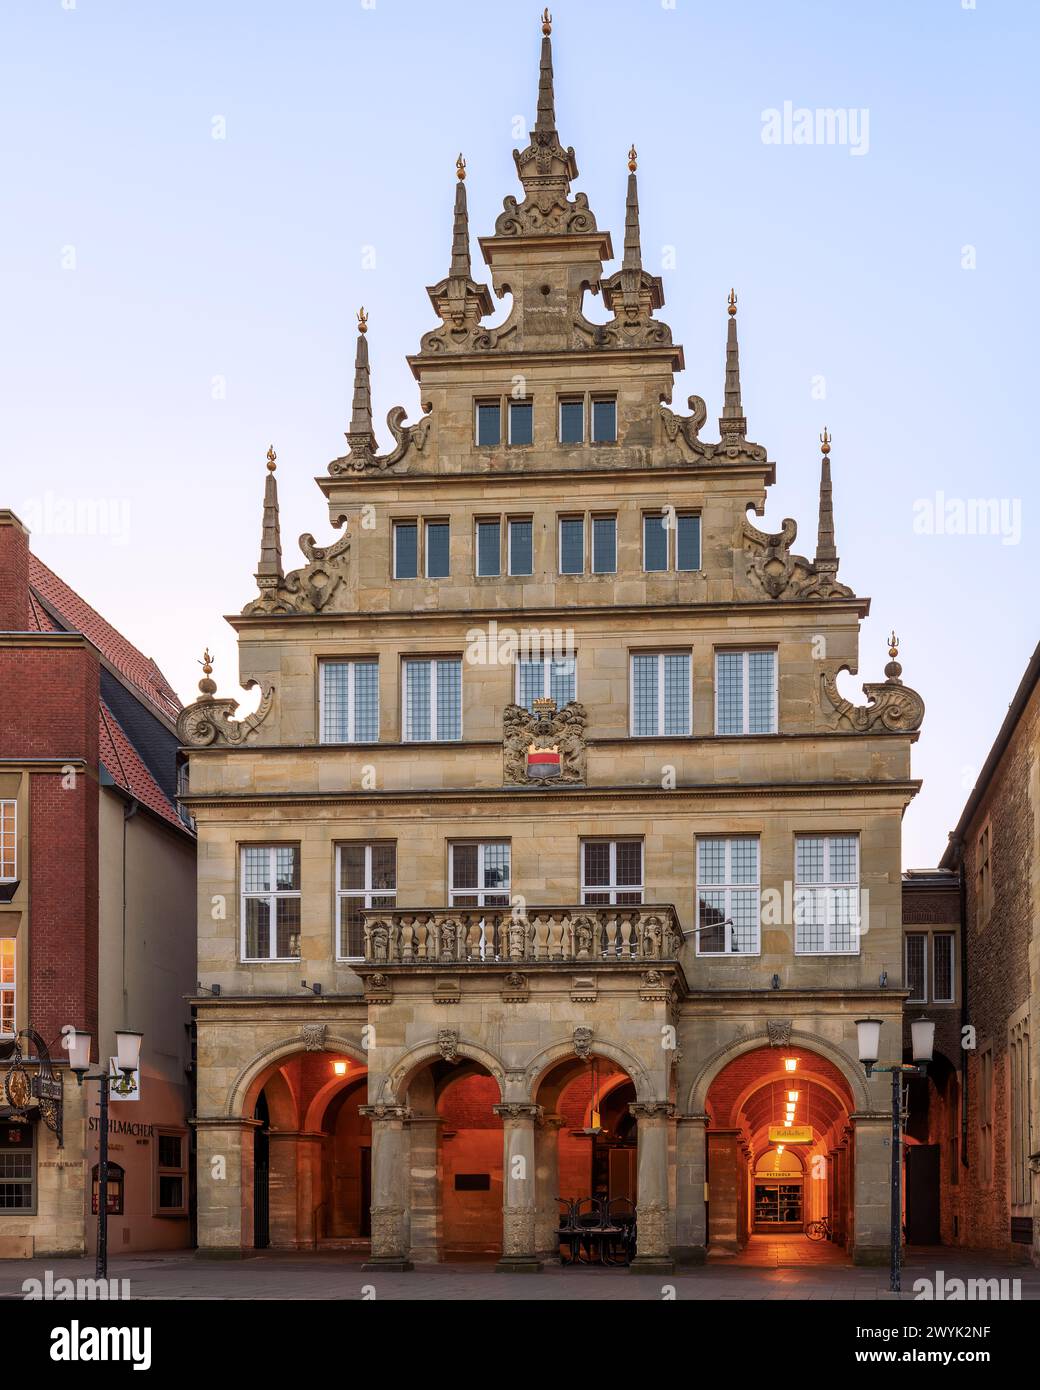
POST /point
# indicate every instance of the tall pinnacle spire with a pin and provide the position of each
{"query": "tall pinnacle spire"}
(633, 259)
(732, 424)
(460, 265)
(457, 299)
(545, 121)
(826, 554)
(269, 570)
(360, 433)
(630, 293)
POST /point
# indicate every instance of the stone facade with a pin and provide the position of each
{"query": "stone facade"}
(554, 989)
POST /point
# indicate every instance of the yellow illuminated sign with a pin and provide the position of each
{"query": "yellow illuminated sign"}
(790, 1134)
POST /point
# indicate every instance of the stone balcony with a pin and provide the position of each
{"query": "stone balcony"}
(460, 936)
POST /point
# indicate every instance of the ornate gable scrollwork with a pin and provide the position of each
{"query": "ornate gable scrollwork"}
(211, 720)
(781, 574)
(558, 735)
(309, 589)
(891, 704)
(363, 457)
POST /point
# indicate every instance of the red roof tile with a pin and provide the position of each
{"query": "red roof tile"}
(124, 765)
(48, 591)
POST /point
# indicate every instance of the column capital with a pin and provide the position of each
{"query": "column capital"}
(385, 1111)
(652, 1109)
(518, 1110)
(242, 1122)
(551, 1122)
(701, 1120)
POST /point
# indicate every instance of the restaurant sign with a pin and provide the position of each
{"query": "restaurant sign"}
(790, 1134)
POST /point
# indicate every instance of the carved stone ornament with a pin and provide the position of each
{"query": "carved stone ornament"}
(778, 1031)
(210, 720)
(313, 1035)
(892, 705)
(772, 567)
(388, 1232)
(558, 735)
(448, 1044)
(583, 1042)
(309, 589)
(683, 431)
(363, 458)
(515, 988)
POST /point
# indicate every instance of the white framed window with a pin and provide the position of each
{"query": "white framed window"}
(17, 1167)
(431, 689)
(349, 701)
(546, 677)
(660, 695)
(366, 876)
(826, 895)
(943, 978)
(8, 841)
(520, 544)
(572, 544)
(171, 1173)
(611, 872)
(745, 692)
(916, 970)
(478, 873)
(489, 548)
(7, 986)
(728, 895)
(270, 902)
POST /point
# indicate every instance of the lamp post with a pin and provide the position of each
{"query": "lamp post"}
(128, 1058)
(922, 1033)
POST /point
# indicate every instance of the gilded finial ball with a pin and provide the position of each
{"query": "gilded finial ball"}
(732, 302)
(893, 646)
(546, 22)
(460, 167)
(362, 320)
(825, 442)
(632, 160)
(271, 459)
(206, 685)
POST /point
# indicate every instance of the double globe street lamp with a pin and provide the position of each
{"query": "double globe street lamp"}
(922, 1035)
(127, 1060)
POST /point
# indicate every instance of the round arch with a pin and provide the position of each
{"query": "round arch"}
(543, 1061)
(720, 1059)
(314, 1119)
(399, 1078)
(241, 1089)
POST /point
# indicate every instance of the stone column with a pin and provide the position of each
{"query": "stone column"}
(723, 1180)
(282, 1214)
(653, 1255)
(691, 1227)
(225, 1186)
(547, 1188)
(871, 1181)
(391, 1162)
(426, 1222)
(519, 1187)
(308, 1190)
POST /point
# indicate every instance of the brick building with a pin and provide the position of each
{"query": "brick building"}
(552, 798)
(995, 850)
(97, 875)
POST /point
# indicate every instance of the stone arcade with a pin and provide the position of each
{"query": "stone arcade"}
(545, 882)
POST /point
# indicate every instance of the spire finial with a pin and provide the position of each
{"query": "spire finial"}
(362, 320)
(546, 22)
(545, 120)
(360, 435)
(460, 167)
(731, 303)
(893, 670)
(825, 442)
(460, 263)
(826, 554)
(206, 685)
(632, 159)
(732, 424)
(271, 459)
(269, 570)
(633, 259)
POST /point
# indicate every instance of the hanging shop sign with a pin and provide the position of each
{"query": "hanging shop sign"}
(39, 1094)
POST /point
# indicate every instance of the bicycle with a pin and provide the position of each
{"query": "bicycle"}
(818, 1230)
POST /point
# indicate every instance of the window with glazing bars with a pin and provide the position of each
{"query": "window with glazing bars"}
(520, 543)
(270, 902)
(942, 967)
(366, 876)
(489, 423)
(479, 874)
(572, 421)
(655, 541)
(916, 965)
(7, 986)
(611, 872)
(432, 693)
(489, 549)
(8, 841)
(572, 545)
(826, 898)
(349, 701)
(745, 692)
(17, 1166)
(521, 422)
(728, 904)
(604, 545)
(604, 421)
(542, 677)
(438, 550)
(660, 694)
(406, 550)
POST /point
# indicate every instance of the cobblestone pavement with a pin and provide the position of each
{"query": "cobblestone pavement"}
(333, 1275)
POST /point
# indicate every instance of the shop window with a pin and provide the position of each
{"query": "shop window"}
(116, 1189)
(171, 1173)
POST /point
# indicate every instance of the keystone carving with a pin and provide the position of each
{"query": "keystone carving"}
(778, 1031)
(448, 1044)
(549, 731)
(583, 1042)
(210, 720)
(313, 1035)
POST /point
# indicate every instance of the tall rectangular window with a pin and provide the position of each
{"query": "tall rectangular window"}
(983, 879)
(521, 555)
(366, 876)
(479, 874)
(655, 542)
(611, 872)
(489, 423)
(660, 700)
(349, 701)
(572, 545)
(572, 421)
(917, 966)
(406, 550)
(438, 550)
(826, 895)
(7, 986)
(1019, 1068)
(521, 422)
(17, 1167)
(171, 1173)
(604, 421)
(270, 902)
(985, 1109)
(728, 895)
(745, 692)
(432, 699)
(489, 549)
(8, 841)
(687, 541)
(942, 967)
(604, 545)
(541, 677)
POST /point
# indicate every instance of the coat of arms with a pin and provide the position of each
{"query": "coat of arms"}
(544, 744)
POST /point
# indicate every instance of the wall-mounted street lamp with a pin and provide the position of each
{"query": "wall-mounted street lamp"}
(922, 1035)
(128, 1059)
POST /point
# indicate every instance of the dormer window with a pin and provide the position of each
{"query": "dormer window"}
(521, 422)
(604, 420)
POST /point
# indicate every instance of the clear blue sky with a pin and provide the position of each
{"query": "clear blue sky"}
(140, 259)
